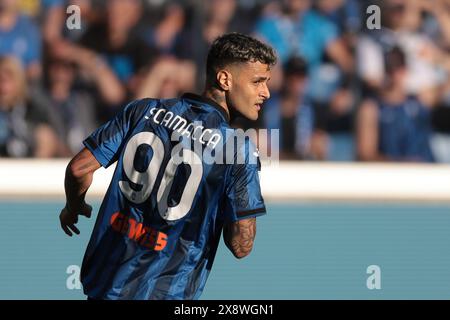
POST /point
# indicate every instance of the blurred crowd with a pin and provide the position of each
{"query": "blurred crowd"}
(344, 89)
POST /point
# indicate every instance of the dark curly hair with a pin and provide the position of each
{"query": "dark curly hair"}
(234, 48)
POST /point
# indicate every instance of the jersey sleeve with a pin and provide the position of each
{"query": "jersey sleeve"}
(107, 142)
(243, 197)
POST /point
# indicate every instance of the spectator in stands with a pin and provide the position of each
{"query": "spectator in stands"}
(216, 18)
(139, 48)
(294, 29)
(289, 111)
(94, 71)
(24, 129)
(50, 15)
(172, 72)
(345, 14)
(54, 17)
(119, 47)
(164, 33)
(110, 54)
(394, 126)
(118, 41)
(71, 106)
(167, 77)
(20, 37)
(430, 18)
(402, 21)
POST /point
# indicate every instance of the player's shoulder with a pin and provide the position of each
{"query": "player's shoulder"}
(137, 109)
(250, 150)
(245, 150)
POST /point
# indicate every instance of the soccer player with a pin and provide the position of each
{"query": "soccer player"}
(160, 223)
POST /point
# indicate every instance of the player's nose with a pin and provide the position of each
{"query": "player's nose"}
(265, 93)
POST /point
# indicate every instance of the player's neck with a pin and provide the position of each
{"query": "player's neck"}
(218, 97)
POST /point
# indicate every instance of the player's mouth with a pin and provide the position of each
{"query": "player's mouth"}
(258, 106)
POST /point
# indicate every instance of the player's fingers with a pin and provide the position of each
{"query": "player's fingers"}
(74, 229)
(66, 230)
(87, 211)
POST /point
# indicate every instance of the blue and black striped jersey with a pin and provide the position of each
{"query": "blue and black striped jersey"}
(159, 225)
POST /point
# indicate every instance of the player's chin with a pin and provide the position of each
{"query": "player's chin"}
(253, 114)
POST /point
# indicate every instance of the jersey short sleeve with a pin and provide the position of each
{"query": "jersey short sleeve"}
(106, 142)
(243, 197)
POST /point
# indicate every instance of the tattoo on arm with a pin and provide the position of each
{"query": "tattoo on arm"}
(239, 236)
(84, 162)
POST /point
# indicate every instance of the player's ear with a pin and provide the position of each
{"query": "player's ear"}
(224, 80)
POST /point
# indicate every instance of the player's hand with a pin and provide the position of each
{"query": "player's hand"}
(69, 218)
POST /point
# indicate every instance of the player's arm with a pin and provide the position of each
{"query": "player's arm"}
(239, 236)
(79, 175)
(243, 202)
(102, 148)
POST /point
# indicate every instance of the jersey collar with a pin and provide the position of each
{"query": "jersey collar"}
(210, 102)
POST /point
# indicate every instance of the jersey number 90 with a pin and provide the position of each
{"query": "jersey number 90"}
(146, 180)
